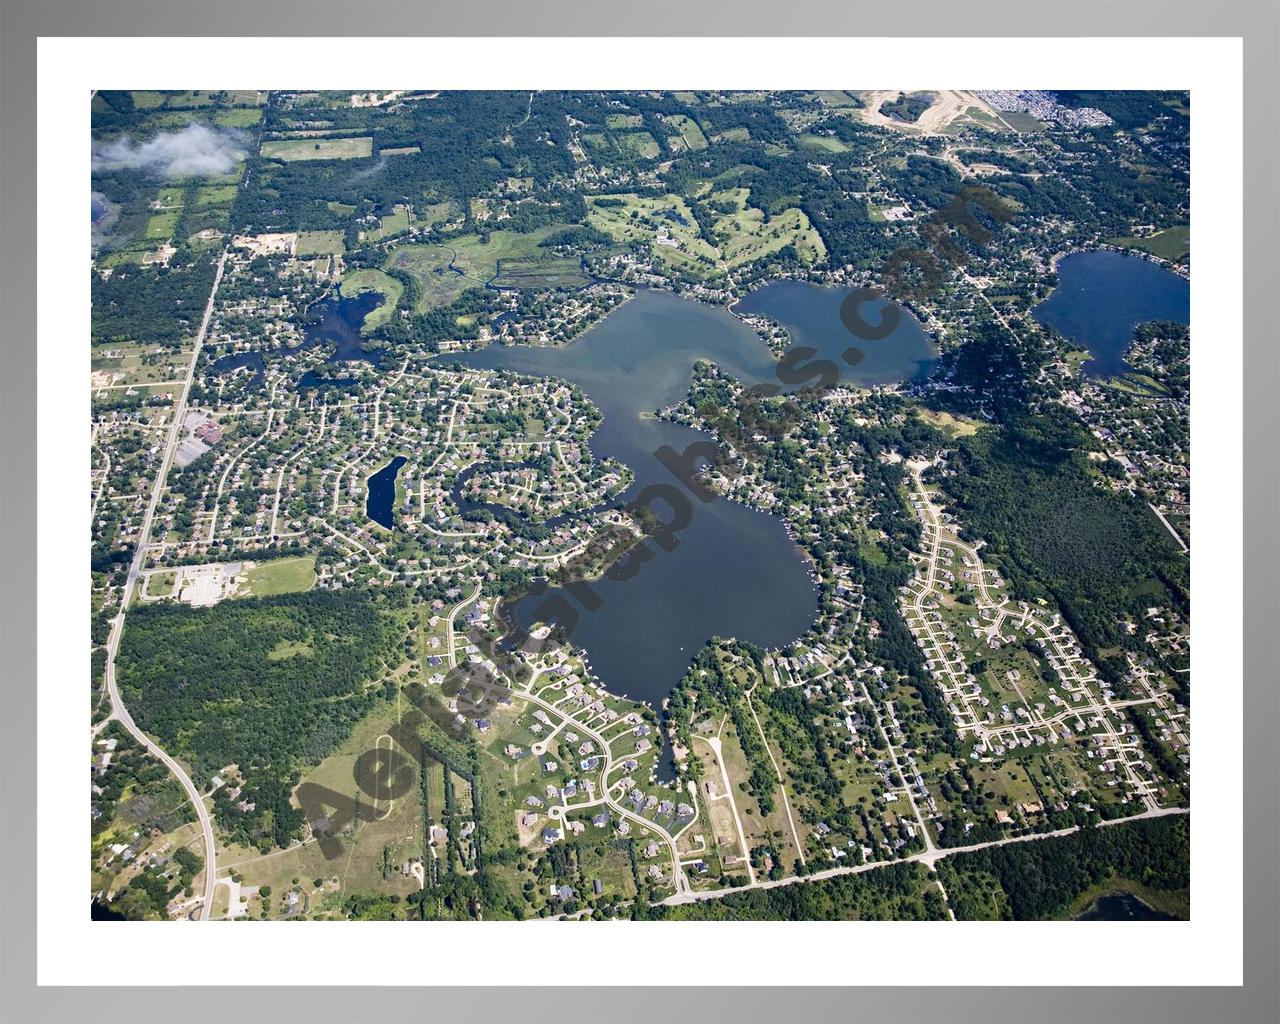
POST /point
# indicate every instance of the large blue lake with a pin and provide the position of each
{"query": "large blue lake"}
(735, 571)
(811, 314)
(1100, 298)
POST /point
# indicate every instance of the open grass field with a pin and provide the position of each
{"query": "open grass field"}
(160, 584)
(145, 100)
(279, 576)
(747, 237)
(742, 234)
(640, 144)
(357, 281)
(160, 225)
(443, 272)
(318, 243)
(394, 826)
(624, 120)
(953, 426)
(238, 117)
(825, 143)
(837, 98)
(1021, 121)
(215, 195)
(318, 149)
(535, 273)
(192, 98)
(1172, 244)
(760, 829)
(429, 266)
(135, 363)
(653, 214)
(399, 151)
(398, 221)
(167, 392)
(689, 134)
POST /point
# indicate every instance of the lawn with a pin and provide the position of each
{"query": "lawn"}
(318, 149)
(357, 281)
(160, 584)
(279, 576)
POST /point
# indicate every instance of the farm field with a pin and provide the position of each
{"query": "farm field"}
(318, 149)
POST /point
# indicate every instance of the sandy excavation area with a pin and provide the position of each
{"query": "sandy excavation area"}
(948, 105)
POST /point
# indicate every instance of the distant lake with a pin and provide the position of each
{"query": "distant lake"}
(812, 315)
(99, 911)
(380, 505)
(735, 572)
(337, 322)
(1122, 906)
(1100, 298)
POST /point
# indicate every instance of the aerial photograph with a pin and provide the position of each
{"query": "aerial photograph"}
(656, 505)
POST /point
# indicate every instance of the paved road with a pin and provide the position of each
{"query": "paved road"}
(118, 710)
(929, 859)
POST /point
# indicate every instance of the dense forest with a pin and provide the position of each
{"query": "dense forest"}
(897, 892)
(1029, 881)
(153, 305)
(1027, 490)
(270, 684)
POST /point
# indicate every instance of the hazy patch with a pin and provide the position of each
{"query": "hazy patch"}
(195, 151)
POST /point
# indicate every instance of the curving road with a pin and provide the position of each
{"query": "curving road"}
(118, 710)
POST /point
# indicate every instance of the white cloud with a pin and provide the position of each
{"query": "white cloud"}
(195, 151)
